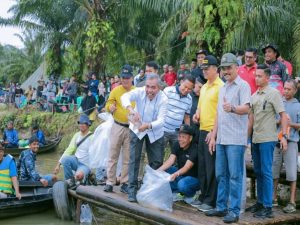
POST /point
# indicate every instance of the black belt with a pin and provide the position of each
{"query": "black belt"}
(122, 124)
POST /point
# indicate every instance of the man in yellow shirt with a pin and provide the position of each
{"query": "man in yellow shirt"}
(206, 115)
(119, 132)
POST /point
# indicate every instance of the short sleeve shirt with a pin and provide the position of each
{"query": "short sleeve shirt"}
(208, 103)
(265, 104)
(232, 128)
(183, 155)
(9, 163)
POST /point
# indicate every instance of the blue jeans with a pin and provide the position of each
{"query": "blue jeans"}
(70, 164)
(262, 155)
(229, 174)
(186, 185)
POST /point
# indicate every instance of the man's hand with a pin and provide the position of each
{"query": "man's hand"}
(56, 169)
(44, 182)
(212, 145)
(283, 144)
(226, 105)
(112, 108)
(144, 127)
(174, 176)
(196, 117)
(18, 195)
(208, 137)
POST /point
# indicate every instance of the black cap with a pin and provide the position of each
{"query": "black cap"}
(202, 51)
(186, 129)
(208, 61)
(274, 47)
(126, 71)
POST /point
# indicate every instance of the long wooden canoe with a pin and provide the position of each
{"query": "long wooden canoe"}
(50, 146)
(35, 198)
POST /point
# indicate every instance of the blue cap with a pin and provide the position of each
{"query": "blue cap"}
(126, 71)
(84, 119)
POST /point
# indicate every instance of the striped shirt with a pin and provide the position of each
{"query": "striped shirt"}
(232, 128)
(178, 106)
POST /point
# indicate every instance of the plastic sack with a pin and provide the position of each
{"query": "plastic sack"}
(99, 148)
(156, 190)
(86, 214)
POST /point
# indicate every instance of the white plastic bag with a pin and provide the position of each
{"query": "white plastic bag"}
(85, 214)
(99, 149)
(156, 190)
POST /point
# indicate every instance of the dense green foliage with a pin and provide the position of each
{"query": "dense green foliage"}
(102, 35)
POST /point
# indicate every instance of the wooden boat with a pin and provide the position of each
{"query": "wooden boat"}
(35, 198)
(50, 146)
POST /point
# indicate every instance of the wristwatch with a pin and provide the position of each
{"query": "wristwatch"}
(233, 109)
(285, 136)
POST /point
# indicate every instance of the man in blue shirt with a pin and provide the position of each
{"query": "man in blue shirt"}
(39, 134)
(27, 164)
(10, 136)
(93, 85)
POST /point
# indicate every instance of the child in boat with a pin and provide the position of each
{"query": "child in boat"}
(39, 134)
(8, 176)
(26, 165)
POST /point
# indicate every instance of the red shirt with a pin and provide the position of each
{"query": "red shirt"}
(289, 67)
(170, 78)
(248, 75)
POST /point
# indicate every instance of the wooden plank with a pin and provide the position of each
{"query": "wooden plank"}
(182, 214)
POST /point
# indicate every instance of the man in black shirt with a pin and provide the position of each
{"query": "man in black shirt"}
(183, 176)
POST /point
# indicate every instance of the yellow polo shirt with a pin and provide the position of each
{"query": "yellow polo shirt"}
(120, 115)
(208, 103)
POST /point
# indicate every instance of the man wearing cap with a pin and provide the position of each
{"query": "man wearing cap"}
(27, 167)
(206, 115)
(178, 108)
(76, 156)
(265, 104)
(183, 71)
(230, 129)
(146, 125)
(8, 175)
(10, 136)
(183, 178)
(247, 71)
(198, 72)
(119, 131)
(279, 72)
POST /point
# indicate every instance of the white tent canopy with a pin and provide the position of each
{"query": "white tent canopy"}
(39, 74)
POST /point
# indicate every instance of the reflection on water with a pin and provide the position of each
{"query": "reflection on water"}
(44, 218)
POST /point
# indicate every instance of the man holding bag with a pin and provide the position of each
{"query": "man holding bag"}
(146, 125)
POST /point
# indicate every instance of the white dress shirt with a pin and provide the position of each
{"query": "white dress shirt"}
(153, 112)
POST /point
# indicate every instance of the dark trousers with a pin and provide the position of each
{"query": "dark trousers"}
(206, 172)
(155, 153)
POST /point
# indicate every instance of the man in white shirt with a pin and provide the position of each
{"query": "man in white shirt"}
(76, 156)
(146, 124)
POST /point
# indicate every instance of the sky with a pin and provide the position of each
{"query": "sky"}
(7, 33)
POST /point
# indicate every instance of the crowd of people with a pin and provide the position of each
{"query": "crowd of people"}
(207, 114)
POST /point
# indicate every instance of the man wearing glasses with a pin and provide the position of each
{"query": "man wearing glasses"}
(247, 71)
(230, 130)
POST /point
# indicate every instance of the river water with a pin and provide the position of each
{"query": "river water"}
(45, 164)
